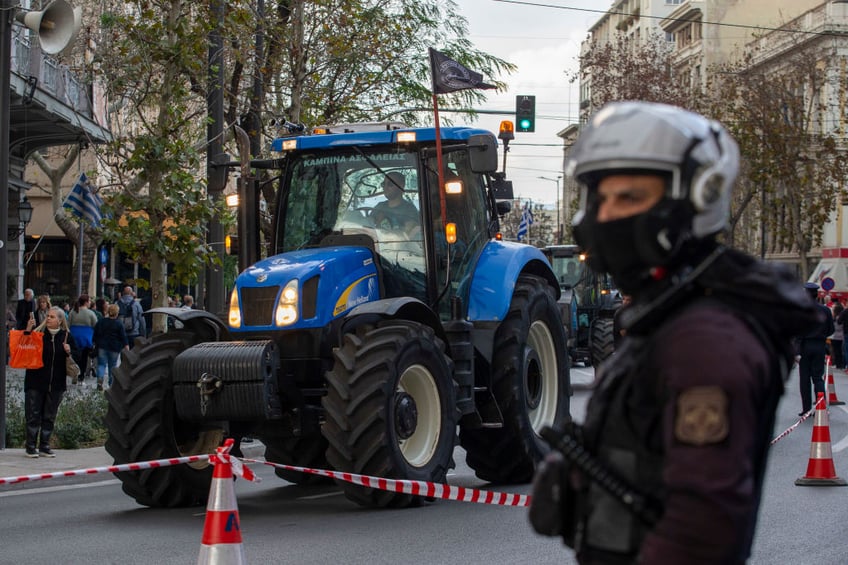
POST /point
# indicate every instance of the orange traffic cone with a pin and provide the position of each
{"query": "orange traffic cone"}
(221, 543)
(831, 387)
(820, 468)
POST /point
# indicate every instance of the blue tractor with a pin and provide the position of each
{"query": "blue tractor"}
(360, 343)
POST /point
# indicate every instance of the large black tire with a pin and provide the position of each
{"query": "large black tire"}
(531, 385)
(300, 452)
(601, 340)
(142, 425)
(390, 409)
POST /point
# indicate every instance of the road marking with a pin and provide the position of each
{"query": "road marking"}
(42, 490)
(317, 496)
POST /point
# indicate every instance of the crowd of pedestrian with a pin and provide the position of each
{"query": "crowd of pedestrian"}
(100, 328)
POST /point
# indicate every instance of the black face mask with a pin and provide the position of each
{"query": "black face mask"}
(611, 248)
(630, 248)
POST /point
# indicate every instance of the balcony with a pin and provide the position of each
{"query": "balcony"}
(829, 19)
(50, 105)
(54, 79)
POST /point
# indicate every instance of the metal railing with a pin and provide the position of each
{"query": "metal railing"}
(812, 25)
(53, 78)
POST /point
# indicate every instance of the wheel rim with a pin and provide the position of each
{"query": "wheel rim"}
(205, 442)
(541, 377)
(419, 393)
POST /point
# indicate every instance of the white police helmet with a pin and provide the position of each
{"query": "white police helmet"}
(698, 154)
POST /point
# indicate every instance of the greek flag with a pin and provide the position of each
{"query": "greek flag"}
(84, 203)
(526, 222)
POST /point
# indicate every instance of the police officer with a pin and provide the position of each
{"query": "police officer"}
(668, 465)
(812, 347)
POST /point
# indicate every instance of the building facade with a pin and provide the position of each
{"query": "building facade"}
(705, 34)
(49, 106)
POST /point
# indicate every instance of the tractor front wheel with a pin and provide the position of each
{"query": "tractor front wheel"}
(390, 409)
(531, 385)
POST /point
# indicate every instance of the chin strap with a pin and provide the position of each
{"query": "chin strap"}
(635, 314)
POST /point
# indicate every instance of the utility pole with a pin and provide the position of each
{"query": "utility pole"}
(216, 172)
(7, 12)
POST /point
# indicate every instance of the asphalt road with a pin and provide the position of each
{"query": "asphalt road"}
(281, 523)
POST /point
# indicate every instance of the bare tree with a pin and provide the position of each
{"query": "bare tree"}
(627, 68)
(780, 110)
(55, 174)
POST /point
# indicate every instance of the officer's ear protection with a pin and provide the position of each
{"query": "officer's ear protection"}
(707, 183)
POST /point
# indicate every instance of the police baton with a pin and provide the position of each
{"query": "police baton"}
(645, 508)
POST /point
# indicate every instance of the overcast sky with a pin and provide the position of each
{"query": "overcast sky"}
(544, 43)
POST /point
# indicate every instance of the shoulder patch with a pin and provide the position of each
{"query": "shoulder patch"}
(702, 416)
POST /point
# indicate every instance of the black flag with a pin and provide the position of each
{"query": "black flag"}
(449, 76)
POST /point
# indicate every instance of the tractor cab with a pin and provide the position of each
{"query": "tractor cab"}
(587, 304)
(379, 189)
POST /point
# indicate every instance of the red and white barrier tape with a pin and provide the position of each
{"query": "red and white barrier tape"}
(418, 488)
(792, 428)
(111, 469)
(222, 456)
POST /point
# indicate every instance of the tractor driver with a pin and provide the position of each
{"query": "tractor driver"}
(395, 212)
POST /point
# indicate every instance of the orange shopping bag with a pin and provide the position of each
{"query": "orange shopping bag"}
(26, 349)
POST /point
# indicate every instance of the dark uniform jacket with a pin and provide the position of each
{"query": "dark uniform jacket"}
(685, 412)
(814, 342)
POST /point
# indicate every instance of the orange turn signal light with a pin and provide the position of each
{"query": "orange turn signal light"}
(450, 232)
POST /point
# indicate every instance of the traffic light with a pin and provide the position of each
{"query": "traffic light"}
(231, 244)
(525, 113)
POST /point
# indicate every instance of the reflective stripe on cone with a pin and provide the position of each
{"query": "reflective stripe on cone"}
(832, 400)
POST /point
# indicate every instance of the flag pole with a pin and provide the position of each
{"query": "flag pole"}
(440, 175)
(79, 259)
(460, 79)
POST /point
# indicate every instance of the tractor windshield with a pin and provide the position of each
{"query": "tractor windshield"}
(568, 270)
(372, 192)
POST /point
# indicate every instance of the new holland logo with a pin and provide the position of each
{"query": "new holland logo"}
(262, 278)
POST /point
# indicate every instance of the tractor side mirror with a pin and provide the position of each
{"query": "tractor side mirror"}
(483, 153)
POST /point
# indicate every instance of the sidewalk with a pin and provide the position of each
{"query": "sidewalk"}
(14, 463)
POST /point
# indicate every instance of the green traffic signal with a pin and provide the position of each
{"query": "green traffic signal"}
(525, 113)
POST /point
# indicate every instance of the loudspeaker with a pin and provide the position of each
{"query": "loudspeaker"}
(57, 25)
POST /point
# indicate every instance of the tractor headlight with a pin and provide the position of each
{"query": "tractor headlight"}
(286, 313)
(234, 315)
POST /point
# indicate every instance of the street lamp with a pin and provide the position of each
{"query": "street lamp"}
(559, 226)
(24, 218)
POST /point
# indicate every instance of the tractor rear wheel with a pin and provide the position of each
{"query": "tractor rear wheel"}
(390, 409)
(531, 385)
(601, 339)
(300, 452)
(143, 425)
